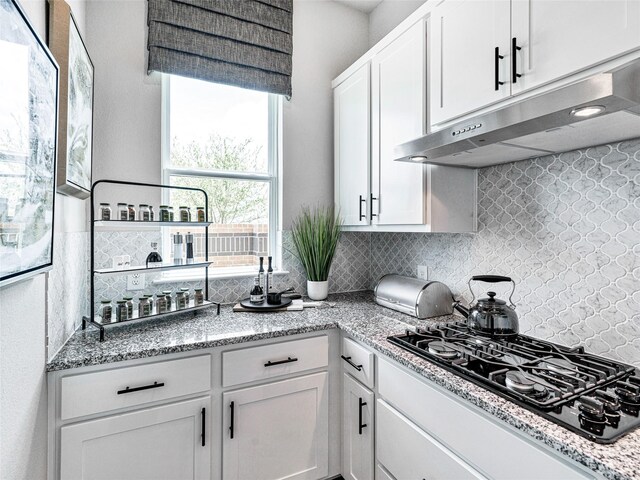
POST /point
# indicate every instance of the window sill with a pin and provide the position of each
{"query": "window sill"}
(213, 276)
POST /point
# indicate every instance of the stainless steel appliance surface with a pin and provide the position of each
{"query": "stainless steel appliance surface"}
(413, 296)
(591, 395)
(602, 108)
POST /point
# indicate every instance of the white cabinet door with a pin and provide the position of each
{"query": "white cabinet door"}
(357, 430)
(170, 442)
(559, 37)
(409, 453)
(399, 111)
(276, 431)
(464, 37)
(352, 114)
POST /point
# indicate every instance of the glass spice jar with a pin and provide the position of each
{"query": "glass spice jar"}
(123, 211)
(185, 214)
(129, 301)
(144, 307)
(187, 296)
(151, 215)
(132, 213)
(180, 301)
(200, 214)
(105, 311)
(164, 213)
(105, 211)
(198, 297)
(167, 296)
(144, 215)
(121, 311)
(171, 214)
(161, 303)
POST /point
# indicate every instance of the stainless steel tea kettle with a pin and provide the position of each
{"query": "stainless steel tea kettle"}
(491, 316)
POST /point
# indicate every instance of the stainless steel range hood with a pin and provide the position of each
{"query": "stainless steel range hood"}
(540, 125)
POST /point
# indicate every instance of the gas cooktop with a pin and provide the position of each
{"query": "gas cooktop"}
(593, 396)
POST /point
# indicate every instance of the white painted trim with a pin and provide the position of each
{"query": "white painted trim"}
(273, 177)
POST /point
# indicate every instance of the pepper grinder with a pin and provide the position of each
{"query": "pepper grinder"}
(178, 249)
(189, 239)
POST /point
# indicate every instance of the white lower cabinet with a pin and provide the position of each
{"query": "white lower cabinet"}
(168, 442)
(357, 430)
(276, 431)
(407, 452)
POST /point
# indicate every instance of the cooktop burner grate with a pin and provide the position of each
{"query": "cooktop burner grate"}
(544, 377)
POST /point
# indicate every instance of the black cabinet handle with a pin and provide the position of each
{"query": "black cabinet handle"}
(361, 216)
(497, 58)
(361, 425)
(232, 407)
(203, 413)
(491, 278)
(514, 64)
(138, 389)
(372, 198)
(280, 362)
(348, 360)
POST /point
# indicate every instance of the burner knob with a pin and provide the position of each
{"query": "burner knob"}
(591, 407)
(628, 392)
(610, 401)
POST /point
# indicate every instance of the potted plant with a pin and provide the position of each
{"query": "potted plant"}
(315, 236)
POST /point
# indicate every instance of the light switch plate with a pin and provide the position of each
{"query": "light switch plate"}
(423, 272)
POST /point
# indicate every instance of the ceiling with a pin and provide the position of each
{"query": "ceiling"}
(365, 6)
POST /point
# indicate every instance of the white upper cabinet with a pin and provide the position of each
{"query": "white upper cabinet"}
(352, 116)
(484, 51)
(559, 37)
(399, 84)
(470, 56)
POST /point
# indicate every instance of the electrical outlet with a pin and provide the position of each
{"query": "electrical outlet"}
(135, 281)
(423, 272)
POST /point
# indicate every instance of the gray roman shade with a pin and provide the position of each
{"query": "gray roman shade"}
(246, 43)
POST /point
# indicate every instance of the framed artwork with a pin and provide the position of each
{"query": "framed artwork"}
(75, 120)
(28, 134)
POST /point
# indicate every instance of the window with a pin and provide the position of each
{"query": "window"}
(225, 140)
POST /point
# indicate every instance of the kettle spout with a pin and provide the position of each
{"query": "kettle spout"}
(457, 306)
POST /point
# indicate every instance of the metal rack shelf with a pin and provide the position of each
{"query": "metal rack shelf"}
(94, 319)
(115, 271)
(148, 224)
(97, 320)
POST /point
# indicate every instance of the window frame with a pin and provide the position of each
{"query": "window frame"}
(273, 177)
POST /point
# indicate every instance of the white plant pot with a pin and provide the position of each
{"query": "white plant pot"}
(317, 290)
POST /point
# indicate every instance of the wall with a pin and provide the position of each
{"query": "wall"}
(28, 318)
(566, 228)
(327, 38)
(386, 16)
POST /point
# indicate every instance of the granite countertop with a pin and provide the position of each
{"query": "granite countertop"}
(361, 318)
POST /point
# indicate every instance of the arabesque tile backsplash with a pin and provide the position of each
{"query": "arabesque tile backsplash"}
(565, 227)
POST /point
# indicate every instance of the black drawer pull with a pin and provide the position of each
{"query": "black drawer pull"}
(280, 362)
(204, 424)
(361, 425)
(232, 407)
(348, 360)
(371, 200)
(138, 389)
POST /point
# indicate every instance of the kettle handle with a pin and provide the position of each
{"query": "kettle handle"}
(492, 279)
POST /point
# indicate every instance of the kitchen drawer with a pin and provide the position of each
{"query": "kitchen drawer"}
(409, 453)
(358, 361)
(91, 393)
(273, 360)
(466, 431)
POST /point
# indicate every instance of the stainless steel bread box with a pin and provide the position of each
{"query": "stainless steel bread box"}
(419, 298)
